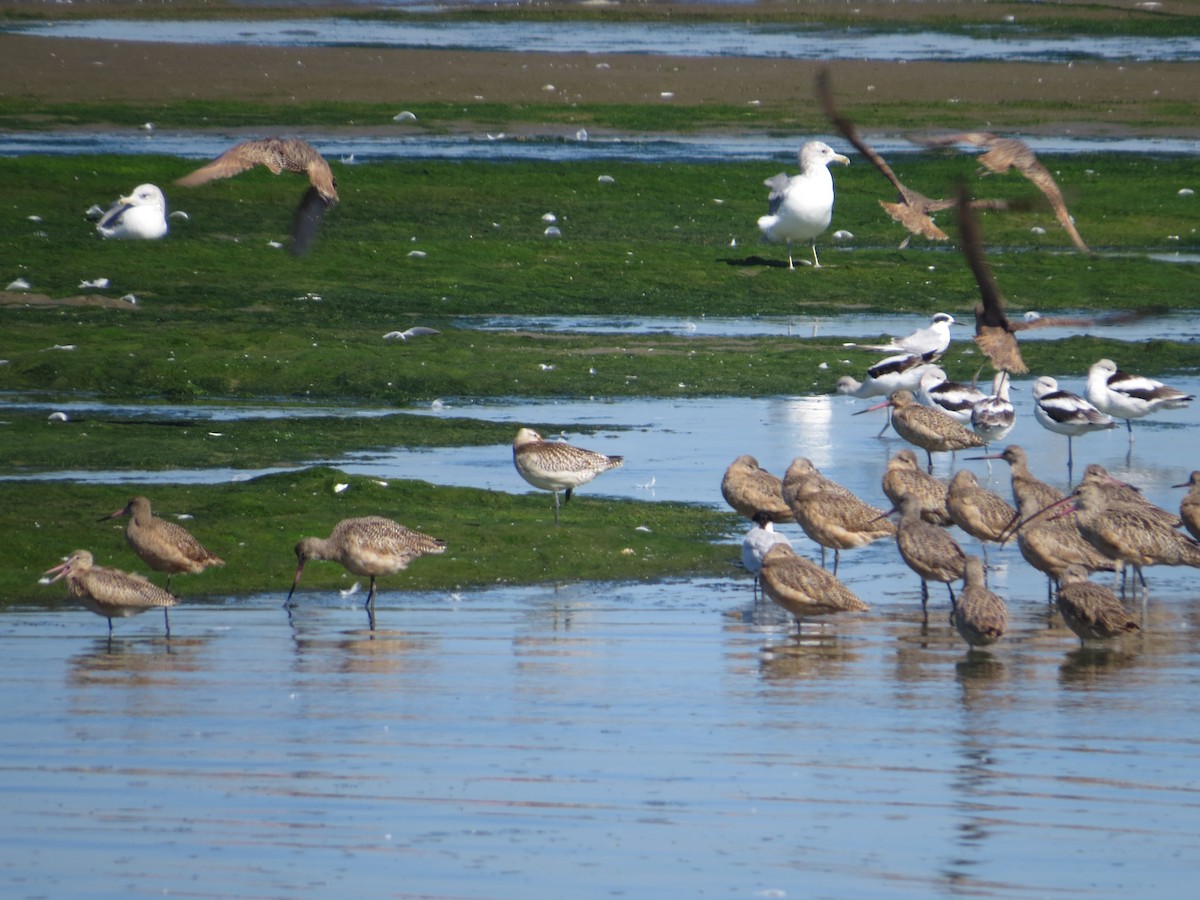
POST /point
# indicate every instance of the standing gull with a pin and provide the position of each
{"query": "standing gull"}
(140, 216)
(110, 592)
(757, 543)
(1066, 413)
(1129, 397)
(557, 466)
(279, 155)
(800, 207)
(162, 545)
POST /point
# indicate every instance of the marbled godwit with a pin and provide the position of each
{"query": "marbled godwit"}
(904, 476)
(1189, 506)
(800, 207)
(803, 588)
(140, 216)
(162, 545)
(1002, 154)
(279, 155)
(979, 615)
(928, 550)
(830, 514)
(993, 417)
(900, 372)
(110, 592)
(955, 399)
(981, 513)
(1129, 397)
(1090, 610)
(557, 466)
(751, 489)
(1066, 413)
(927, 428)
(928, 343)
(1120, 493)
(371, 546)
(757, 542)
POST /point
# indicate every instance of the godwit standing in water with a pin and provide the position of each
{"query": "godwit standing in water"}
(1066, 413)
(1129, 397)
(279, 155)
(750, 489)
(800, 207)
(1120, 493)
(803, 588)
(1189, 506)
(954, 398)
(929, 343)
(928, 550)
(757, 542)
(979, 615)
(140, 216)
(830, 514)
(556, 466)
(371, 546)
(110, 592)
(162, 545)
(1091, 610)
(993, 417)
(904, 476)
(981, 513)
(927, 428)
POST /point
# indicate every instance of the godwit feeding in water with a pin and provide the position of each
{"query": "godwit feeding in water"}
(110, 592)
(928, 550)
(904, 476)
(993, 417)
(757, 542)
(140, 216)
(979, 615)
(830, 514)
(929, 343)
(751, 489)
(1066, 413)
(927, 428)
(1091, 610)
(162, 545)
(1129, 397)
(955, 399)
(803, 588)
(556, 466)
(981, 513)
(279, 155)
(371, 546)
(1189, 506)
(800, 207)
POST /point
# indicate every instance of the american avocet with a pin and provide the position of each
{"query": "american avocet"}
(1066, 413)
(1125, 396)
(954, 398)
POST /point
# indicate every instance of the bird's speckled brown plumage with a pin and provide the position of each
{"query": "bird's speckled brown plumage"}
(1091, 610)
(556, 465)
(803, 588)
(162, 545)
(110, 593)
(905, 476)
(749, 489)
(830, 514)
(979, 614)
(928, 550)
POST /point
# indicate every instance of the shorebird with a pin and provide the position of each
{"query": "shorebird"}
(279, 155)
(904, 476)
(1091, 610)
(993, 417)
(751, 489)
(929, 342)
(1189, 506)
(1002, 154)
(415, 331)
(900, 372)
(162, 545)
(371, 546)
(800, 207)
(803, 588)
(927, 428)
(110, 592)
(140, 216)
(979, 615)
(928, 550)
(981, 513)
(757, 542)
(830, 514)
(955, 399)
(1066, 413)
(1129, 397)
(557, 466)
(1120, 493)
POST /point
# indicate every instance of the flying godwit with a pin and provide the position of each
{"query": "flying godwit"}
(162, 545)
(140, 216)
(1129, 397)
(955, 399)
(981, 513)
(979, 615)
(1189, 506)
(800, 207)
(929, 343)
(1066, 413)
(757, 542)
(993, 417)
(1091, 610)
(927, 428)
(830, 514)
(279, 155)
(110, 592)
(751, 489)
(928, 550)
(557, 466)
(372, 546)
(803, 588)
(903, 475)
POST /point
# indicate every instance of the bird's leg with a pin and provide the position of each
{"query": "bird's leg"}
(822, 556)
(953, 599)
(556, 507)
(110, 628)
(168, 588)
(929, 455)
(816, 262)
(370, 604)
(887, 420)
(924, 596)
(167, 621)
(837, 554)
(1129, 428)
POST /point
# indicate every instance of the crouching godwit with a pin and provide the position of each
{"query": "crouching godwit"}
(557, 466)
(162, 545)
(830, 514)
(751, 489)
(757, 542)
(1091, 610)
(371, 546)
(927, 428)
(979, 615)
(1125, 396)
(803, 588)
(110, 592)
